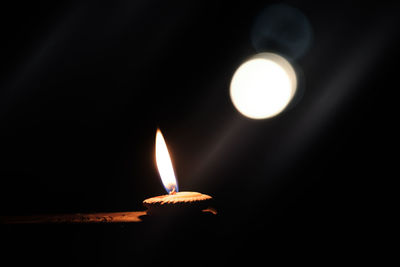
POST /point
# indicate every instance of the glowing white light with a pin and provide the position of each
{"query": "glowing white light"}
(263, 86)
(164, 164)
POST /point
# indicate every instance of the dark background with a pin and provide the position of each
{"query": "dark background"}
(84, 86)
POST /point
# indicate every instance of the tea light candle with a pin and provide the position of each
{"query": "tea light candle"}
(174, 200)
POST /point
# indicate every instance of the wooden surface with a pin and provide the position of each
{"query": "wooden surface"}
(109, 217)
(104, 217)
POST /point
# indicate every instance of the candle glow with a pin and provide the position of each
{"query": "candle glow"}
(164, 164)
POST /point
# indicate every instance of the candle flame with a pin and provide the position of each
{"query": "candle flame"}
(164, 164)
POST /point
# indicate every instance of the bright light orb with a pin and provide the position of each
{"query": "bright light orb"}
(263, 86)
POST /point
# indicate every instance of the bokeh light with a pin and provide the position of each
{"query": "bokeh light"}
(263, 86)
(283, 29)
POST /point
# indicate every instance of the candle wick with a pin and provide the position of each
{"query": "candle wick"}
(172, 192)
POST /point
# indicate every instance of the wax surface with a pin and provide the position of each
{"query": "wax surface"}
(179, 197)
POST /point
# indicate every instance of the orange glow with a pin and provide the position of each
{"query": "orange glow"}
(164, 164)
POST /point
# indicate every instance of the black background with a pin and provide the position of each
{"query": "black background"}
(84, 86)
